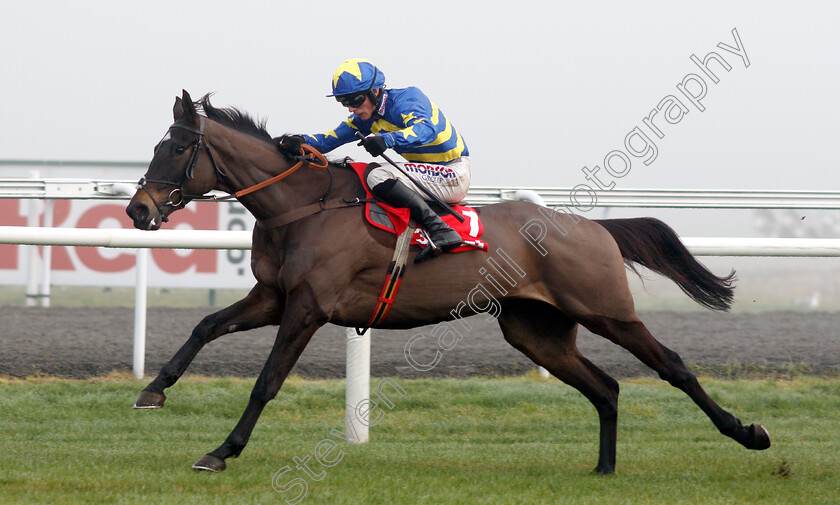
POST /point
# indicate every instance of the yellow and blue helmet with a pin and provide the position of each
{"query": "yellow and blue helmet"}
(355, 76)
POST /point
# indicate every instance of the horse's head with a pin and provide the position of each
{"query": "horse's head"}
(182, 168)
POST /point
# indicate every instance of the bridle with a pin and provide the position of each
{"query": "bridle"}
(183, 198)
(178, 192)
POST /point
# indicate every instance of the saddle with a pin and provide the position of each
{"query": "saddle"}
(398, 221)
(395, 220)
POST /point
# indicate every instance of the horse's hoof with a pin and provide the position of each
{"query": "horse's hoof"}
(210, 464)
(760, 437)
(150, 400)
(605, 470)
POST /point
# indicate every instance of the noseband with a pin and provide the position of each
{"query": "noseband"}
(188, 174)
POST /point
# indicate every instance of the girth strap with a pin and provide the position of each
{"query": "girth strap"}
(307, 210)
(393, 278)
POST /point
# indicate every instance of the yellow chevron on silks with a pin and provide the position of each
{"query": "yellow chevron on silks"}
(443, 157)
(382, 125)
(435, 113)
(443, 136)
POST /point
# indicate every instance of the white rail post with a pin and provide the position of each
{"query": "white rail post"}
(358, 383)
(140, 312)
(46, 266)
(32, 252)
(140, 292)
(533, 197)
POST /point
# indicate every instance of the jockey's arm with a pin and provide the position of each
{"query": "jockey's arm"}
(326, 142)
(418, 132)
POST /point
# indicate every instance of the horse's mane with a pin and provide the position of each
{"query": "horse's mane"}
(234, 118)
(243, 122)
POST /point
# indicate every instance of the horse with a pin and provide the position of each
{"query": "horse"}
(554, 271)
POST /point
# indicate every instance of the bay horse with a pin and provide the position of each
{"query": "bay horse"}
(561, 271)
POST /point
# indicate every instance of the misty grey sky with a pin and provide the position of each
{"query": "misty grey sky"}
(539, 89)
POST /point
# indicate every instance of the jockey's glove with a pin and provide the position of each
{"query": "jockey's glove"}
(374, 144)
(290, 144)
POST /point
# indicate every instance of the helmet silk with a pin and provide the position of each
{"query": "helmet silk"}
(356, 75)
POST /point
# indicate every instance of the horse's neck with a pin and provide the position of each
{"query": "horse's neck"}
(248, 161)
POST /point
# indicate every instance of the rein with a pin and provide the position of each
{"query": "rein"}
(307, 154)
(303, 158)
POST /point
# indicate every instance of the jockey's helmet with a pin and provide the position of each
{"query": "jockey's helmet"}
(356, 75)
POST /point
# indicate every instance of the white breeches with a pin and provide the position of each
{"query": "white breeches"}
(448, 182)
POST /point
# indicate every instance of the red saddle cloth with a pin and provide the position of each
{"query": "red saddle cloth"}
(395, 220)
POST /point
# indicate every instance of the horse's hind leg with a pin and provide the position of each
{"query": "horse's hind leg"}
(635, 337)
(260, 307)
(547, 336)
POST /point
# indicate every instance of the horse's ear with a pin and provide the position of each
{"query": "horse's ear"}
(178, 108)
(185, 105)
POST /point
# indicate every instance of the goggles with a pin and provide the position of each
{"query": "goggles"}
(353, 100)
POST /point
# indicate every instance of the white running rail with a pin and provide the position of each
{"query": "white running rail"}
(358, 348)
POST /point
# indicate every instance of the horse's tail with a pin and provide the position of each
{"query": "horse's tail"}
(654, 245)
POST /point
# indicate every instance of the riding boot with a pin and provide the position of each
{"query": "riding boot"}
(442, 236)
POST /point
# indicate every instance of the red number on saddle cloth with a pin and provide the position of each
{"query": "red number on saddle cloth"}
(470, 230)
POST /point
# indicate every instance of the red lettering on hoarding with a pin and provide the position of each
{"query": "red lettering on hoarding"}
(60, 211)
(60, 255)
(90, 256)
(198, 217)
(10, 216)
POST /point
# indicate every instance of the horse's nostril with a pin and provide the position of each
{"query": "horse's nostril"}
(138, 212)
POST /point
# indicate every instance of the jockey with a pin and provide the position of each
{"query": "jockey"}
(406, 121)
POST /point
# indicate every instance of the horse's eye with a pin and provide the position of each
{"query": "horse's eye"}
(180, 150)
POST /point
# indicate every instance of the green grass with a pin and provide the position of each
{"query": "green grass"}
(476, 441)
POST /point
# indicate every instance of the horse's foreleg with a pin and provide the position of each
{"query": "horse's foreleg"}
(548, 337)
(636, 338)
(260, 307)
(300, 320)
